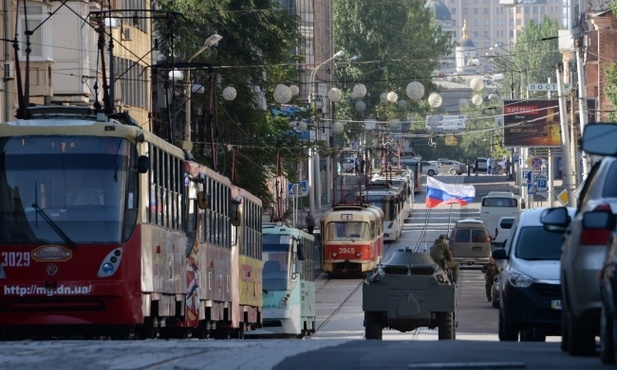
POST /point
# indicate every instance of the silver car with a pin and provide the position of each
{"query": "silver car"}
(585, 244)
(451, 167)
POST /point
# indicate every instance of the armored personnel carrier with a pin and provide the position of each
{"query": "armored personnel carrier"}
(406, 292)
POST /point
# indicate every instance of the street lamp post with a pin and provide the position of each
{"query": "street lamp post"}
(210, 42)
(314, 176)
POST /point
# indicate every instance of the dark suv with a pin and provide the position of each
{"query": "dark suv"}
(585, 244)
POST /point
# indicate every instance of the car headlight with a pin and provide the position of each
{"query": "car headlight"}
(519, 280)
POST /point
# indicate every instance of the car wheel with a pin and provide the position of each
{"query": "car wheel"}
(607, 348)
(582, 342)
(445, 322)
(453, 171)
(372, 325)
(431, 173)
(507, 332)
(565, 328)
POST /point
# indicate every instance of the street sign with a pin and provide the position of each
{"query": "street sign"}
(293, 188)
(563, 197)
(531, 188)
(541, 183)
(446, 122)
(527, 175)
(546, 87)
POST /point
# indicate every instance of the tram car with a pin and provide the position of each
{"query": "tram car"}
(352, 237)
(288, 281)
(109, 230)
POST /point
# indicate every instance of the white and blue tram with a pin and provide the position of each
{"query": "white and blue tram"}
(288, 281)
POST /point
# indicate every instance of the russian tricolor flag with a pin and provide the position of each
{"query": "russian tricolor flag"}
(438, 192)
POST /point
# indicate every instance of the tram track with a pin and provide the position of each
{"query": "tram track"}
(335, 284)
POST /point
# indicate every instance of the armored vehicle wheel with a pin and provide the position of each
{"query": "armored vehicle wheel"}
(445, 323)
(372, 325)
(507, 332)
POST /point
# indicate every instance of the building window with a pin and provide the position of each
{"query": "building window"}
(40, 40)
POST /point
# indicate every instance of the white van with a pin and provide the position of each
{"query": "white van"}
(529, 283)
(498, 204)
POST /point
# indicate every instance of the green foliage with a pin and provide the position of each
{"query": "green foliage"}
(611, 89)
(395, 44)
(256, 34)
(533, 58)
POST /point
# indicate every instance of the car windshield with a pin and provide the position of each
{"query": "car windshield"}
(535, 243)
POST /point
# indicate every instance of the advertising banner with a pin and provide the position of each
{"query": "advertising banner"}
(536, 122)
(446, 122)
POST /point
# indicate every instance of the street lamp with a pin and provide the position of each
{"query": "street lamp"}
(210, 42)
(314, 178)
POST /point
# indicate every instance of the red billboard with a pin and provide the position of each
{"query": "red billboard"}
(536, 122)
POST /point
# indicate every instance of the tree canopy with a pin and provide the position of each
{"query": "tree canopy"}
(389, 47)
(532, 60)
(239, 138)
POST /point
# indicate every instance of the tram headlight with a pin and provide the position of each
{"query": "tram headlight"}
(359, 254)
(110, 263)
(334, 254)
(107, 268)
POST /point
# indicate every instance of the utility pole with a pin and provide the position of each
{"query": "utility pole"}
(582, 105)
(568, 175)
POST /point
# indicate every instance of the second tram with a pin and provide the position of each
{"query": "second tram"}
(352, 238)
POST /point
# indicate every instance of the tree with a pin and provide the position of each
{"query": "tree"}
(241, 134)
(533, 58)
(395, 45)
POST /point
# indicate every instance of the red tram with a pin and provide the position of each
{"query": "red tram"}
(108, 230)
(352, 239)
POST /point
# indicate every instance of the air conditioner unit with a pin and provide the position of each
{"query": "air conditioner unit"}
(8, 70)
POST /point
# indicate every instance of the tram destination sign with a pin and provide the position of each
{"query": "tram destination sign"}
(546, 87)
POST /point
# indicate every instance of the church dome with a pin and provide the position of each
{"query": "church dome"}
(467, 43)
(442, 13)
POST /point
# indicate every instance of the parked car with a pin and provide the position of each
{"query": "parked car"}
(502, 231)
(429, 169)
(470, 242)
(529, 284)
(481, 164)
(584, 245)
(451, 167)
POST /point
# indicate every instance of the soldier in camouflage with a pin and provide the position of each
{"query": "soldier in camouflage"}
(441, 253)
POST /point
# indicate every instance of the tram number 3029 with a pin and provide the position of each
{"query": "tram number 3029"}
(15, 259)
(346, 251)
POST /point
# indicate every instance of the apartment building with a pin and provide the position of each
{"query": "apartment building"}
(65, 63)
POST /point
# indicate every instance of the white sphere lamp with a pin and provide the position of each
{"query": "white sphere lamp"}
(229, 93)
(415, 90)
(392, 97)
(337, 127)
(435, 100)
(335, 95)
(282, 94)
